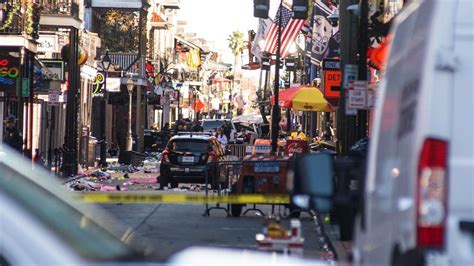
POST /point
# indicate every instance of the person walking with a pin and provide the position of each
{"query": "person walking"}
(12, 136)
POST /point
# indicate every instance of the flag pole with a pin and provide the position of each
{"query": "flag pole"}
(276, 107)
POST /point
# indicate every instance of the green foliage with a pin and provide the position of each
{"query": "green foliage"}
(119, 31)
(236, 42)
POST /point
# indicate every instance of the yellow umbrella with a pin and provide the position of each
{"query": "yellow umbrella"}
(309, 98)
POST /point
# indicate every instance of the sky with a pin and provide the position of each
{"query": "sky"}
(215, 20)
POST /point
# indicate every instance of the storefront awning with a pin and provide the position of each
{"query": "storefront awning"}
(187, 43)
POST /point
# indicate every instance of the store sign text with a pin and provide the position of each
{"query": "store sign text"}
(8, 73)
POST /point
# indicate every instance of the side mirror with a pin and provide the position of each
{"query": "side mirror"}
(311, 181)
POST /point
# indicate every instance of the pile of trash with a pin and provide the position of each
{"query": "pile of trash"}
(116, 177)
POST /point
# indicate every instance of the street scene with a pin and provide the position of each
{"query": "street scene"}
(237, 132)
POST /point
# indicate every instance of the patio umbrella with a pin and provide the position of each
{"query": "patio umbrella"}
(303, 98)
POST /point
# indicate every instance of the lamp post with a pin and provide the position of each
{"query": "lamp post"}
(178, 90)
(276, 87)
(105, 64)
(130, 85)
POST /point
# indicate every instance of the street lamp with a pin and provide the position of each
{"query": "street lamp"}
(130, 85)
(104, 64)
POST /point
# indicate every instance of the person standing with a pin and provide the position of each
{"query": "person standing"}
(12, 136)
(166, 127)
(221, 137)
(154, 127)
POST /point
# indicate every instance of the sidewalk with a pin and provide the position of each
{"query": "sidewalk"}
(343, 249)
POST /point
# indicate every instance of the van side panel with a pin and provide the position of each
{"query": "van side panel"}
(461, 153)
(395, 119)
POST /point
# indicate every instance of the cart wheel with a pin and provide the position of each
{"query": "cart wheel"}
(295, 212)
(236, 209)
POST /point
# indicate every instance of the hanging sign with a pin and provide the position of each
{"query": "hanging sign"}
(98, 82)
(53, 69)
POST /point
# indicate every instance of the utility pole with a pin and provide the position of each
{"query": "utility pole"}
(363, 45)
(346, 125)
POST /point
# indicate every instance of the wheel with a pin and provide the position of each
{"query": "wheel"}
(236, 209)
(295, 212)
(411, 257)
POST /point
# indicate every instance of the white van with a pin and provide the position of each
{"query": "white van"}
(419, 194)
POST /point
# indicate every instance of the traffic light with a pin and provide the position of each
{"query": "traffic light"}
(266, 61)
(36, 22)
(300, 9)
(290, 64)
(260, 8)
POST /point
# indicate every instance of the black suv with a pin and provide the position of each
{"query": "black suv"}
(187, 157)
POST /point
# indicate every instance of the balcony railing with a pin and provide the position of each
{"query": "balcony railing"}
(12, 22)
(60, 8)
(125, 61)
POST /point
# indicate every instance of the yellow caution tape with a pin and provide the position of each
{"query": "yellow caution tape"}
(131, 197)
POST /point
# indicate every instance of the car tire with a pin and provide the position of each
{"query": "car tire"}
(295, 212)
(236, 209)
(411, 257)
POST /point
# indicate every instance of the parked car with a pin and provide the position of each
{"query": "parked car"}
(41, 224)
(416, 202)
(189, 157)
(210, 125)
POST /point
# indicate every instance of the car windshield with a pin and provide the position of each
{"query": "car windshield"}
(189, 145)
(211, 125)
(74, 227)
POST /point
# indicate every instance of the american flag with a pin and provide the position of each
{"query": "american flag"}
(289, 30)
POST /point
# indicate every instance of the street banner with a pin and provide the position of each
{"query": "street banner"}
(259, 41)
(325, 38)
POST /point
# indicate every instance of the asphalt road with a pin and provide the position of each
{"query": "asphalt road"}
(172, 227)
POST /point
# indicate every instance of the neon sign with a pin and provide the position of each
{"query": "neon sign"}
(9, 73)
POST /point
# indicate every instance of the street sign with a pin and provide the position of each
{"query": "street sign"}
(351, 72)
(349, 111)
(357, 99)
(332, 80)
(357, 93)
(53, 97)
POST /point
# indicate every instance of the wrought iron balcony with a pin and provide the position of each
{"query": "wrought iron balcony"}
(69, 8)
(12, 21)
(127, 62)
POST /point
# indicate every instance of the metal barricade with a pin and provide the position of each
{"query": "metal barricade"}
(240, 150)
(263, 177)
(228, 172)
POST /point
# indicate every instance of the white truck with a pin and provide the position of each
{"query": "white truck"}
(416, 202)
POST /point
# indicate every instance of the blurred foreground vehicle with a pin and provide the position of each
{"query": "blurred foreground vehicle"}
(42, 225)
(415, 203)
